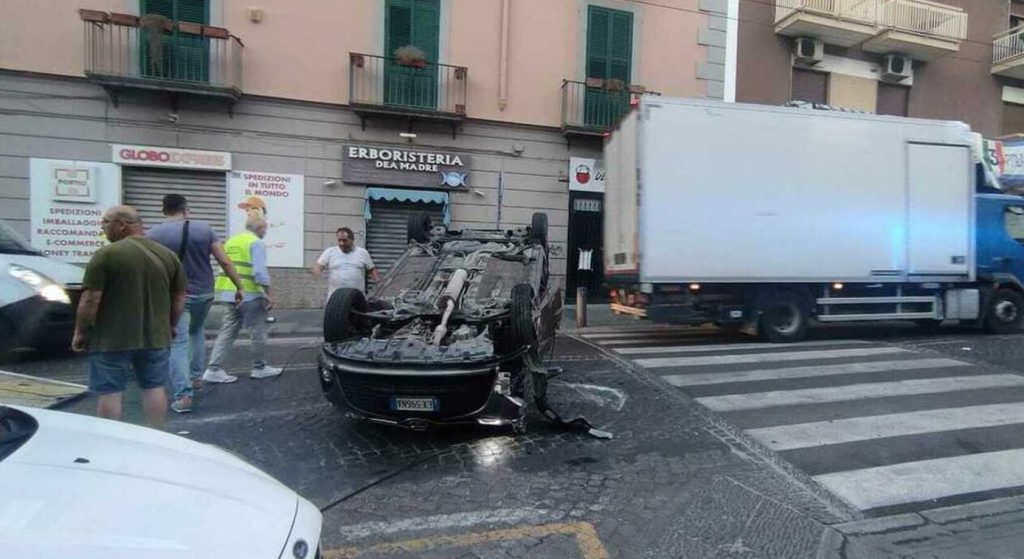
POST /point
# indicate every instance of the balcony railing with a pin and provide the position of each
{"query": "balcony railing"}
(385, 85)
(120, 51)
(925, 18)
(596, 105)
(921, 17)
(1008, 46)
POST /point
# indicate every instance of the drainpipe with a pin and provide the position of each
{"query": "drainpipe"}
(506, 12)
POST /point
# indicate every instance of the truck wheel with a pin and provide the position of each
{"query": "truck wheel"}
(418, 227)
(539, 228)
(522, 315)
(783, 318)
(338, 321)
(1005, 312)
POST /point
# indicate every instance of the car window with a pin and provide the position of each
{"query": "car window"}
(15, 428)
(13, 243)
(1014, 221)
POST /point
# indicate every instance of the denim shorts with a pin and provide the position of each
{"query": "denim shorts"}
(108, 371)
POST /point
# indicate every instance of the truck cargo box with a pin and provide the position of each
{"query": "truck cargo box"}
(704, 191)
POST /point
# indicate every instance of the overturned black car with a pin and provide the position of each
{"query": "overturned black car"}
(450, 335)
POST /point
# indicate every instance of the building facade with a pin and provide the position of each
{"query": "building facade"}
(954, 59)
(329, 113)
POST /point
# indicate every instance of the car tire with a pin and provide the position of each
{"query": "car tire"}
(418, 227)
(521, 308)
(539, 228)
(338, 323)
(1004, 312)
(784, 317)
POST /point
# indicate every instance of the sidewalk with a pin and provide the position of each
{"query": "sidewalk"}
(309, 322)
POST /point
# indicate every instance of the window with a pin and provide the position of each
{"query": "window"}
(183, 56)
(1013, 119)
(893, 99)
(809, 86)
(412, 23)
(12, 243)
(1014, 222)
(610, 59)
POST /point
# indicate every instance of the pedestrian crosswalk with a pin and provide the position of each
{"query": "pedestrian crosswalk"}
(886, 428)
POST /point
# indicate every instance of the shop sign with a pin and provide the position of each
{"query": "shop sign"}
(405, 167)
(68, 199)
(149, 156)
(1012, 163)
(586, 175)
(279, 199)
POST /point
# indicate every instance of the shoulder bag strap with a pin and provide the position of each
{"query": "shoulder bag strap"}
(184, 241)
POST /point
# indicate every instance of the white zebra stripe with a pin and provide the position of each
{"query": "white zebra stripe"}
(845, 393)
(661, 362)
(698, 379)
(912, 482)
(805, 435)
(695, 348)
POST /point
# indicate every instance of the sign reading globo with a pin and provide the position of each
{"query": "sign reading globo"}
(149, 156)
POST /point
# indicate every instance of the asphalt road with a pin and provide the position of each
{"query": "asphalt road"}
(722, 448)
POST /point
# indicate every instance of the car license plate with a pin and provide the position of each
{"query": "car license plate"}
(414, 404)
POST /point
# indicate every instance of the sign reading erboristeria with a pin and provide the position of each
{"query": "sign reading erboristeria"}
(405, 167)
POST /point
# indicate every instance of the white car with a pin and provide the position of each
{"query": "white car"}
(79, 487)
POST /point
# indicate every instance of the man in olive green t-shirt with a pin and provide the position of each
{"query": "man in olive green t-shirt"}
(134, 295)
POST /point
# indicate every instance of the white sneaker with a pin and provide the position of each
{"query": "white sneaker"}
(266, 372)
(218, 376)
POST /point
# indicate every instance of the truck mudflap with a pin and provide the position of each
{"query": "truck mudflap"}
(537, 392)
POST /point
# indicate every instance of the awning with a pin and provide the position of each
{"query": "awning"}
(408, 195)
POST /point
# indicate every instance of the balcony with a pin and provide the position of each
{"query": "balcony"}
(379, 85)
(178, 57)
(595, 106)
(1008, 53)
(920, 29)
(837, 22)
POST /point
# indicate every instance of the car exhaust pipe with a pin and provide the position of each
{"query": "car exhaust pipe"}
(448, 300)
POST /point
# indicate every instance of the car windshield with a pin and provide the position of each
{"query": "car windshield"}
(13, 243)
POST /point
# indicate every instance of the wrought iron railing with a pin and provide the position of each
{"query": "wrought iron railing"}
(596, 104)
(407, 86)
(1008, 45)
(155, 52)
(921, 17)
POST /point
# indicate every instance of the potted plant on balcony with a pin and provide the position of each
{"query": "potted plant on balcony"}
(154, 26)
(410, 55)
(614, 85)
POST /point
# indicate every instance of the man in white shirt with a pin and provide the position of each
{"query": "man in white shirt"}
(346, 264)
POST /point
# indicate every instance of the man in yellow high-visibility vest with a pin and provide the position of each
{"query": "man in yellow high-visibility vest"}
(248, 253)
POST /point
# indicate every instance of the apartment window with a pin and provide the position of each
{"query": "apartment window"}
(610, 59)
(893, 99)
(412, 23)
(1013, 119)
(809, 86)
(182, 56)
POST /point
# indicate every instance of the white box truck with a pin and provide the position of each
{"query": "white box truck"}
(768, 218)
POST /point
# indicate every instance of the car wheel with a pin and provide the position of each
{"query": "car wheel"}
(418, 227)
(539, 228)
(783, 318)
(338, 321)
(523, 329)
(1004, 313)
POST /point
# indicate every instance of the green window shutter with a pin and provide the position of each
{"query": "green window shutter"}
(398, 27)
(194, 11)
(609, 44)
(426, 27)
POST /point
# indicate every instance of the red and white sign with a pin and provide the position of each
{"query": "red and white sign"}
(586, 174)
(150, 156)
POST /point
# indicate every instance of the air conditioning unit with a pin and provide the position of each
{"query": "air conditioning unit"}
(896, 67)
(808, 51)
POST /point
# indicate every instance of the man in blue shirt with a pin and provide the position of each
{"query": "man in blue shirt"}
(248, 252)
(194, 242)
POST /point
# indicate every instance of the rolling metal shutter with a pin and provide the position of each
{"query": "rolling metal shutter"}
(387, 229)
(145, 188)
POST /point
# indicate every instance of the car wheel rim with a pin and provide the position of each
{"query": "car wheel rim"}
(785, 320)
(1006, 311)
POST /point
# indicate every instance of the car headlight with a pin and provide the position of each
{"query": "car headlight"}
(44, 286)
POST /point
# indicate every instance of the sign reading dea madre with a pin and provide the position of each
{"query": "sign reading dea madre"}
(420, 168)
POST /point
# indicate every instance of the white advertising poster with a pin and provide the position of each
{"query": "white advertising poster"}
(68, 199)
(280, 200)
(586, 174)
